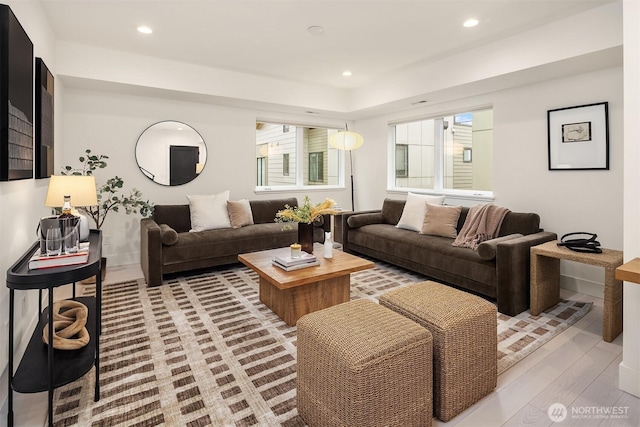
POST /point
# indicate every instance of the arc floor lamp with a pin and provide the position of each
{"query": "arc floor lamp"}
(347, 140)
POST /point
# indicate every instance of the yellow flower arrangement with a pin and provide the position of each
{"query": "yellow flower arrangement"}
(306, 213)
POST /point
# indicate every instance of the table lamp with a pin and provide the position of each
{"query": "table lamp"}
(81, 189)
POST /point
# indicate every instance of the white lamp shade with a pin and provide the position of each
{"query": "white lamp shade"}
(81, 189)
(346, 140)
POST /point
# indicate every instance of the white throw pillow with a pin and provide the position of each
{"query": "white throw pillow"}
(209, 212)
(414, 209)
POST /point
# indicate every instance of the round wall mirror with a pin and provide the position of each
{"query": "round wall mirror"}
(171, 153)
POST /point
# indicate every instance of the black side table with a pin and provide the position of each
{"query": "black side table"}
(42, 368)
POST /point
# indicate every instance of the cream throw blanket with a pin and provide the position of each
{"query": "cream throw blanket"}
(483, 223)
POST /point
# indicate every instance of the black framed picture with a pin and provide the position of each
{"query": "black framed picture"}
(16, 99)
(579, 137)
(44, 121)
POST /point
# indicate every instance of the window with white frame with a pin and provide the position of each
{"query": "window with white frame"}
(296, 156)
(435, 153)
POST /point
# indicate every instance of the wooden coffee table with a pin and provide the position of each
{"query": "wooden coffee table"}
(292, 294)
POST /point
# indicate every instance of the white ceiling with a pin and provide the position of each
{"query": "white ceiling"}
(269, 37)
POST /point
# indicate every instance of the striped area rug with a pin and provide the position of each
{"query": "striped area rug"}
(202, 350)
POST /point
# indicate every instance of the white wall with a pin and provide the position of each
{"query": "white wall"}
(22, 202)
(629, 371)
(110, 123)
(565, 200)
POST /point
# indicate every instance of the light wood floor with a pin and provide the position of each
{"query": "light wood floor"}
(576, 368)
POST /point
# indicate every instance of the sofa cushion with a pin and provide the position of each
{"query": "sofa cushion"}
(432, 251)
(168, 235)
(392, 210)
(240, 213)
(441, 220)
(193, 246)
(177, 217)
(519, 222)
(414, 210)
(264, 211)
(209, 212)
(488, 249)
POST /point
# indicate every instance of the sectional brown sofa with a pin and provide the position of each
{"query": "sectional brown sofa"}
(499, 269)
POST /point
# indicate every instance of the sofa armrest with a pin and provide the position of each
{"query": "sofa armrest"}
(346, 227)
(487, 249)
(151, 251)
(513, 261)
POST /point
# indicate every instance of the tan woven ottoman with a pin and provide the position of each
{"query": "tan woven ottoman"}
(464, 329)
(360, 364)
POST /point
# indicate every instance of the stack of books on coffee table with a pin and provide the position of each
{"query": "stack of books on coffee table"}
(288, 263)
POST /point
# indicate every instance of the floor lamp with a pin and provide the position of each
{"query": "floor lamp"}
(347, 141)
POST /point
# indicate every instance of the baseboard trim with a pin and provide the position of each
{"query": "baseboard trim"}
(582, 286)
(629, 379)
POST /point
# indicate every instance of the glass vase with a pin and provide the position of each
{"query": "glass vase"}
(305, 236)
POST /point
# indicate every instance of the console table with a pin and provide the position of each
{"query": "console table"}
(42, 368)
(545, 281)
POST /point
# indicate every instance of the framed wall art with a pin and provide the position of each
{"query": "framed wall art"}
(579, 137)
(16, 99)
(44, 121)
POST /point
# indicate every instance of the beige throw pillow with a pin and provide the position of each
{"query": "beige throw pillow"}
(240, 213)
(209, 212)
(414, 209)
(441, 220)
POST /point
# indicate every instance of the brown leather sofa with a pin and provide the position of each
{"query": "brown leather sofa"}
(183, 250)
(503, 277)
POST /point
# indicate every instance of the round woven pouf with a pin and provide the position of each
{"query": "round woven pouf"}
(69, 331)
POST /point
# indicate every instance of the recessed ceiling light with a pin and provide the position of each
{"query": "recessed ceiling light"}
(347, 73)
(144, 30)
(316, 30)
(471, 22)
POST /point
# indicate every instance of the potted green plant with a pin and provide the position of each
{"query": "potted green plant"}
(110, 195)
(305, 215)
